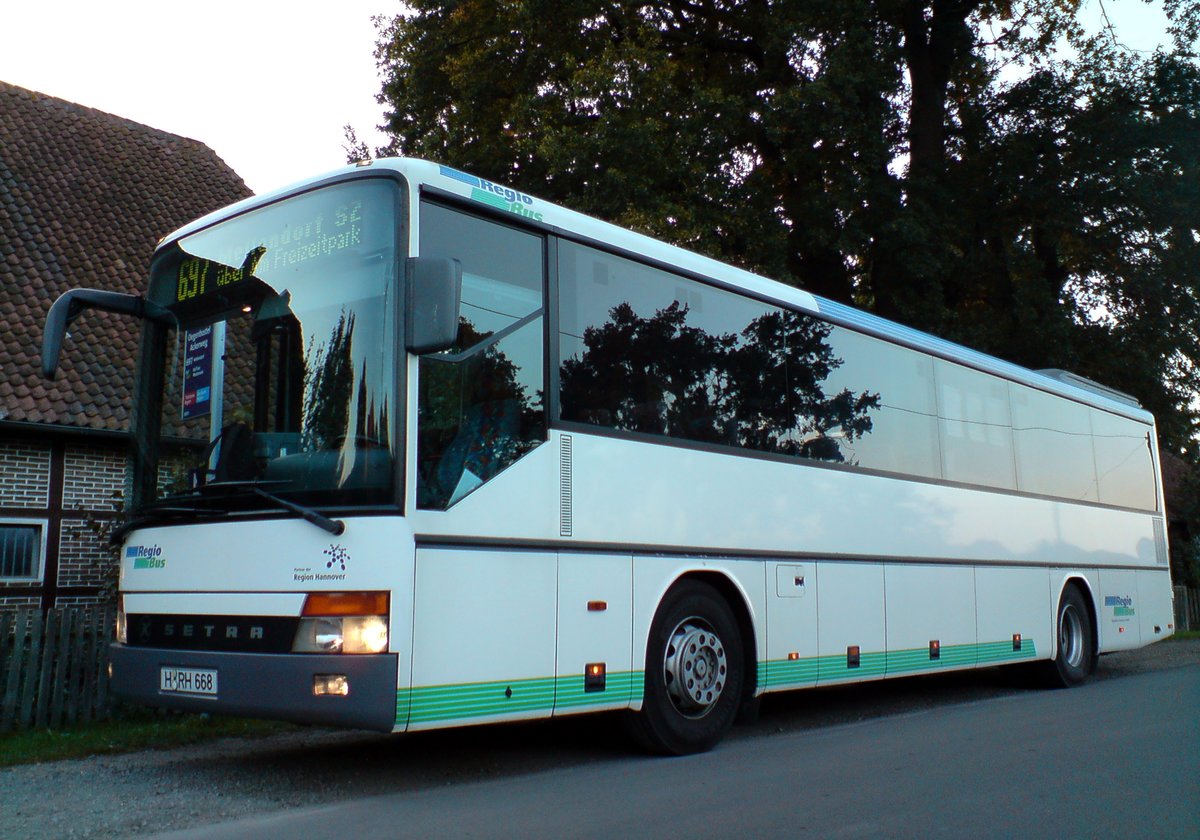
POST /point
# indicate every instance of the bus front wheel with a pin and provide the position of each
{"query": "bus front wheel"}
(1075, 657)
(695, 672)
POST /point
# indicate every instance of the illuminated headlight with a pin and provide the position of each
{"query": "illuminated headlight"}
(122, 629)
(347, 634)
(367, 634)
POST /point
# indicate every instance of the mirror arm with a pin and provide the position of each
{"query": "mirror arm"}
(70, 305)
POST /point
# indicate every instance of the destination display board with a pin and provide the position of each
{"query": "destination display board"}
(277, 245)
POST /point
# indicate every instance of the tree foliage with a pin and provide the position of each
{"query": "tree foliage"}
(983, 169)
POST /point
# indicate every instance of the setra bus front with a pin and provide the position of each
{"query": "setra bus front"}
(266, 551)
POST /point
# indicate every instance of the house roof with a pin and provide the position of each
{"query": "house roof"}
(84, 198)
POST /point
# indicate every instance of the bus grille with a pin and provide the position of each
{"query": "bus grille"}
(248, 634)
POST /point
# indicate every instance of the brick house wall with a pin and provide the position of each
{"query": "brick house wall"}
(70, 489)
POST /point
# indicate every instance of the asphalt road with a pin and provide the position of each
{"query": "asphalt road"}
(1116, 758)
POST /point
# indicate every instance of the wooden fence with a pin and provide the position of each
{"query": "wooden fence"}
(1187, 608)
(54, 666)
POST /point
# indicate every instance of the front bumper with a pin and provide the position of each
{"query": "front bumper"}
(278, 686)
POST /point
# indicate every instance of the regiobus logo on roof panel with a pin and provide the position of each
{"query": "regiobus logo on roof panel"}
(495, 195)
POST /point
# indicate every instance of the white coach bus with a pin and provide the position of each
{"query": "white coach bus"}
(417, 450)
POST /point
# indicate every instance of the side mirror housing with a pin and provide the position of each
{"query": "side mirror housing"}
(434, 295)
(70, 305)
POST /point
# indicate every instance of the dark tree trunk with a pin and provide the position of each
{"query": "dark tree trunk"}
(934, 40)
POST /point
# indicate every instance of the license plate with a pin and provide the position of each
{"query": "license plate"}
(201, 681)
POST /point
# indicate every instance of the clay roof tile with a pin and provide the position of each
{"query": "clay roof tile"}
(84, 198)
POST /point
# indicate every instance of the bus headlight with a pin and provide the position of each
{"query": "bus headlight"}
(349, 634)
(323, 629)
(365, 634)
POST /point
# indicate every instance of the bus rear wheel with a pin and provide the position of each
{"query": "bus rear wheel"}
(1075, 658)
(694, 672)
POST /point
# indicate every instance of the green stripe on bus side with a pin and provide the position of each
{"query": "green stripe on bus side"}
(788, 671)
(442, 702)
(618, 687)
(870, 664)
(1003, 651)
(776, 673)
(462, 701)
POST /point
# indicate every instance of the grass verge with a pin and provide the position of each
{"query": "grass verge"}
(136, 731)
(1185, 634)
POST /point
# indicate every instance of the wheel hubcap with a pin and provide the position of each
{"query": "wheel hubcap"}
(1070, 636)
(694, 667)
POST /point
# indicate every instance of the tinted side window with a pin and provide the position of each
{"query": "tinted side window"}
(502, 268)
(976, 426)
(1053, 439)
(903, 437)
(1124, 468)
(645, 350)
(480, 407)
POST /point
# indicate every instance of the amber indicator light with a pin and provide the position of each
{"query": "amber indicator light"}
(1016, 641)
(852, 656)
(346, 603)
(935, 649)
(593, 676)
(597, 606)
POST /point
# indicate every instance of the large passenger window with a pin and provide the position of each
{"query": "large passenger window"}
(976, 426)
(1053, 440)
(904, 429)
(480, 406)
(645, 350)
(1124, 468)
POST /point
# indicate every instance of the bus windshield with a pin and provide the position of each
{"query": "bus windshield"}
(279, 373)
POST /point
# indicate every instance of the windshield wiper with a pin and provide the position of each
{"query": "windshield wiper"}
(333, 526)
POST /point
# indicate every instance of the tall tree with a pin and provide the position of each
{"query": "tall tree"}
(944, 162)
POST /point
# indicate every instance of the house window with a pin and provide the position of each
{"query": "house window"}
(20, 550)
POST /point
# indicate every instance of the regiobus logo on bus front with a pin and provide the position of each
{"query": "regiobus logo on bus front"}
(1122, 605)
(146, 556)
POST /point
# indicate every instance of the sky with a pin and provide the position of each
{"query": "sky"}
(267, 84)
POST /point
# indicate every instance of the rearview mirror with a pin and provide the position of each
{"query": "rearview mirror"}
(70, 305)
(432, 305)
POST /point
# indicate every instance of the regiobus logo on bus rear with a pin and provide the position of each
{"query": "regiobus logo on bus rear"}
(146, 556)
(1122, 605)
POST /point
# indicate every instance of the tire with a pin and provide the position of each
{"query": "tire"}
(695, 672)
(1075, 656)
